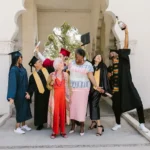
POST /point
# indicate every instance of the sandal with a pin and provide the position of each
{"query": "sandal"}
(93, 125)
(64, 135)
(99, 134)
(53, 136)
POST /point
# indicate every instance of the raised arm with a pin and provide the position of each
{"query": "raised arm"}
(126, 40)
(41, 57)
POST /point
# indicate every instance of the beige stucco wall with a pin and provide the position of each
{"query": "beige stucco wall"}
(48, 20)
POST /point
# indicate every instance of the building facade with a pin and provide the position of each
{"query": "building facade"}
(24, 22)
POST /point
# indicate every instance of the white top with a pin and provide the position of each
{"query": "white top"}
(78, 74)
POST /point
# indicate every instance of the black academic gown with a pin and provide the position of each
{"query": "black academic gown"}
(40, 100)
(130, 98)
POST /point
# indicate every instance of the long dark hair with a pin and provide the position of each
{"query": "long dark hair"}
(14, 61)
(100, 65)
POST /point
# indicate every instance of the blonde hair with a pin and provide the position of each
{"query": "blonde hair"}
(56, 62)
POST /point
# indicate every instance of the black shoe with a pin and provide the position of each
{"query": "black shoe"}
(40, 127)
(102, 130)
(93, 125)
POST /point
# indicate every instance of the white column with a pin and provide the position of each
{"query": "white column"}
(5, 48)
(9, 12)
(29, 32)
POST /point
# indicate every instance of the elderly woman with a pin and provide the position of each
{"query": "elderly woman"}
(100, 75)
(81, 73)
(59, 99)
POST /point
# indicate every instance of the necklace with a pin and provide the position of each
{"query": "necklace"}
(61, 82)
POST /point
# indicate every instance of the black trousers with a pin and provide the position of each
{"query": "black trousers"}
(94, 99)
(116, 106)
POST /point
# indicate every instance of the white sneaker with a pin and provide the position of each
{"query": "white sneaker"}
(19, 131)
(26, 128)
(116, 127)
(143, 128)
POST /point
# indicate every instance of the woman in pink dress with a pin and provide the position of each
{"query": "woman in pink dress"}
(81, 73)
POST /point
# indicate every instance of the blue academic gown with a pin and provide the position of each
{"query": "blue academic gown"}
(17, 88)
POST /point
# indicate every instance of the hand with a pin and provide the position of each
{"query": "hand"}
(53, 77)
(27, 96)
(11, 101)
(36, 49)
(100, 90)
(109, 75)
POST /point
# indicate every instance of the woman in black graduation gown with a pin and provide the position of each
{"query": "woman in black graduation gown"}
(100, 74)
(41, 98)
(17, 88)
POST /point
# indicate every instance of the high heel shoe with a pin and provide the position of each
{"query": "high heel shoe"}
(73, 130)
(82, 131)
(93, 125)
(99, 134)
(53, 136)
(64, 135)
(81, 134)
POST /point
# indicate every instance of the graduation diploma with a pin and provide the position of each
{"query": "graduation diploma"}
(106, 93)
(38, 44)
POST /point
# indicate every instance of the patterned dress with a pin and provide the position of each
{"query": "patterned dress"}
(80, 84)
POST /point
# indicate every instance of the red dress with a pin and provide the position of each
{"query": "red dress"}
(59, 119)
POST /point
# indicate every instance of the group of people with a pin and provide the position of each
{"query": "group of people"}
(63, 90)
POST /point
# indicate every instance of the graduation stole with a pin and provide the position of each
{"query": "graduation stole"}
(116, 75)
(97, 77)
(38, 80)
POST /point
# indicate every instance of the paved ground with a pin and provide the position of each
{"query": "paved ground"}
(125, 138)
(147, 117)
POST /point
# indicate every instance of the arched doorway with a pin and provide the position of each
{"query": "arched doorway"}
(40, 18)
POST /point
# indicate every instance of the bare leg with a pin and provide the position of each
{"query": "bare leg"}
(73, 125)
(82, 127)
(17, 125)
(93, 125)
(23, 123)
(99, 128)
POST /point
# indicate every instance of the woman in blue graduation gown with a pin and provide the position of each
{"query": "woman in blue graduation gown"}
(17, 92)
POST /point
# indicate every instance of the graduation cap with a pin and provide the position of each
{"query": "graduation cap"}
(64, 52)
(85, 38)
(15, 54)
(32, 62)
